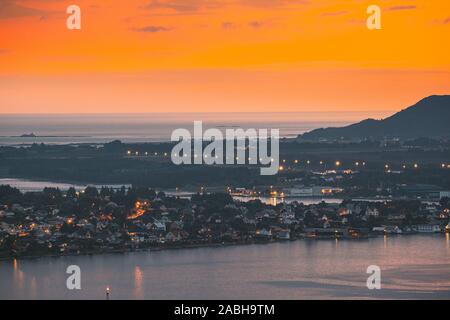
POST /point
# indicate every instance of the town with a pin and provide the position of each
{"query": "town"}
(53, 222)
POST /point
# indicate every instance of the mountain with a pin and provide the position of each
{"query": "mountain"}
(428, 118)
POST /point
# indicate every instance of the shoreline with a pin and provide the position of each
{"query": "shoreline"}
(206, 245)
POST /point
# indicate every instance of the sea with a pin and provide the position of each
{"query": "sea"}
(25, 129)
(412, 267)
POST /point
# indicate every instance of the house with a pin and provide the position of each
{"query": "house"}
(173, 236)
(9, 214)
(344, 212)
(428, 228)
(264, 233)
(372, 212)
(396, 217)
(284, 235)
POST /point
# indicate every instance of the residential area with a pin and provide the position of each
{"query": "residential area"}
(52, 222)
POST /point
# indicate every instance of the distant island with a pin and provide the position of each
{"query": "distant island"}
(429, 118)
(28, 135)
(32, 135)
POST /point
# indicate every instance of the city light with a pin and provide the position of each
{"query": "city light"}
(338, 163)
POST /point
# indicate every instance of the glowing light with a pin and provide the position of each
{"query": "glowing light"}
(281, 168)
(296, 161)
(416, 165)
(338, 163)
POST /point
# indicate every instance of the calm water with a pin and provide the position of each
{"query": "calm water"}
(412, 267)
(96, 128)
(275, 201)
(26, 185)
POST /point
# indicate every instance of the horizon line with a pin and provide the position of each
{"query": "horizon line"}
(194, 112)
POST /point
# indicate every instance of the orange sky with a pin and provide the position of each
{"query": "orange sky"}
(221, 55)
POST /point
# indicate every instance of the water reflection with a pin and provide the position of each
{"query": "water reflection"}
(138, 289)
(415, 266)
(273, 201)
(447, 240)
(19, 276)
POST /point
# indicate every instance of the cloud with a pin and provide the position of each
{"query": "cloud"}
(194, 6)
(228, 25)
(11, 9)
(152, 29)
(256, 24)
(398, 8)
(182, 6)
(272, 4)
(333, 14)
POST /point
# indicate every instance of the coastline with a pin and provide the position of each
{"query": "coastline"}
(203, 245)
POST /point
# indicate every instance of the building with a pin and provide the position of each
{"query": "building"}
(312, 191)
(444, 194)
(428, 228)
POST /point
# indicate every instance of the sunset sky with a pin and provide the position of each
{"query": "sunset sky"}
(221, 55)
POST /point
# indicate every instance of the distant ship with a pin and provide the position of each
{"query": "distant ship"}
(30, 135)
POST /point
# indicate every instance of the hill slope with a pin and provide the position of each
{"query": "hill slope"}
(429, 118)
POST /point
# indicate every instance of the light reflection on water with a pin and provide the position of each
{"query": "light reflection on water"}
(412, 267)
